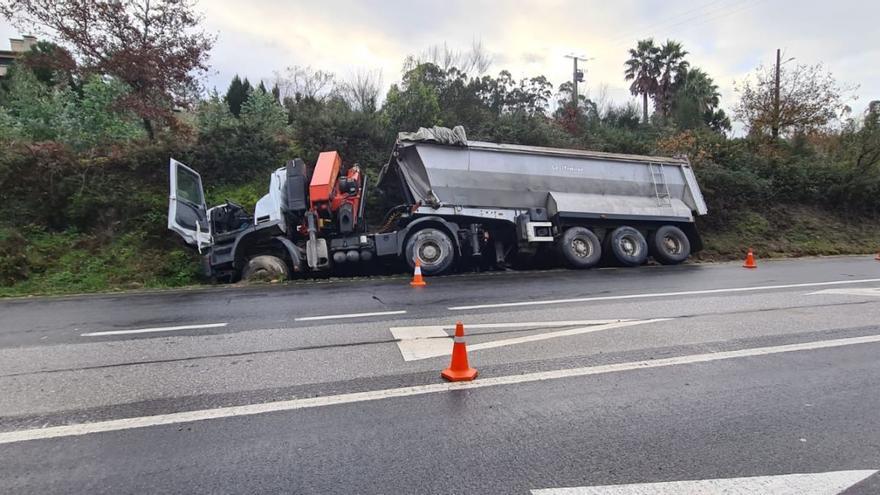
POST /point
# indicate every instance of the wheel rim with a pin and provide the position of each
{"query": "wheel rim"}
(581, 248)
(430, 253)
(672, 244)
(629, 246)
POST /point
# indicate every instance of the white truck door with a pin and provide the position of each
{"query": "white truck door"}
(187, 212)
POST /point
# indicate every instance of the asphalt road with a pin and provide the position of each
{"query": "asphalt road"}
(604, 377)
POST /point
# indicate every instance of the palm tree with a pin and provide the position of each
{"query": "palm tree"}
(673, 67)
(695, 102)
(643, 70)
(698, 87)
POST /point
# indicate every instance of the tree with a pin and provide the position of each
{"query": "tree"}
(155, 47)
(86, 120)
(52, 64)
(809, 100)
(262, 112)
(362, 90)
(672, 67)
(237, 94)
(416, 101)
(643, 70)
(695, 102)
(304, 83)
(472, 63)
(231, 149)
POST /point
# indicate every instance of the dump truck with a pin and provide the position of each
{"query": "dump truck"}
(458, 203)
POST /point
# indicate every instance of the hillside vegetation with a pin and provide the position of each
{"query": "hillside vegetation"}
(83, 158)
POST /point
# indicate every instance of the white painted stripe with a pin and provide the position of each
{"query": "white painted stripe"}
(352, 315)
(662, 294)
(852, 291)
(294, 404)
(152, 330)
(830, 483)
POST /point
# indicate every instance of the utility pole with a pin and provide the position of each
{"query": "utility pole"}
(777, 105)
(576, 77)
(774, 129)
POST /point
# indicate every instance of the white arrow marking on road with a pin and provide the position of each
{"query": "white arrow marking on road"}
(432, 341)
(830, 483)
(871, 291)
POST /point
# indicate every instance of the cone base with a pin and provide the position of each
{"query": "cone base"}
(459, 375)
(420, 283)
(750, 266)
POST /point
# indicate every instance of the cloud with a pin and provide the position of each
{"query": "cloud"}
(727, 38)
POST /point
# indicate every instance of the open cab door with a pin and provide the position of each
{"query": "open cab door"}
(187, 212)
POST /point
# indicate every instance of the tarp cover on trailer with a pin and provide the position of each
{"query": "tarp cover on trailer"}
(440, 135)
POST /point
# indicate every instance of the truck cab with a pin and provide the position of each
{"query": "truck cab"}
(226, 235)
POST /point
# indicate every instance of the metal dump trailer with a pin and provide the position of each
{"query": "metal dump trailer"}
(458, 202)
(526, 198)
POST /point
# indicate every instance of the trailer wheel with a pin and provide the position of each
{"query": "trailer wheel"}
(433, 248)
(669, 245)
(580, 247)
(265, 268)
(628, 245)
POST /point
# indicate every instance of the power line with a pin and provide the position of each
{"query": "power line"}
(671, 19)
(692, 21)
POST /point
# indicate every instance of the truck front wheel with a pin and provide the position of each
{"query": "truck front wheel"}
(265, 268)
(580, 247)
(433, 248)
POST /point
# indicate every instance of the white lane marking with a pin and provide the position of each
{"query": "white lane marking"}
(829, 483)
(855, 291)
(152, 330)
(294, 404)
(662, 294)
(432, 341)
(351, 315)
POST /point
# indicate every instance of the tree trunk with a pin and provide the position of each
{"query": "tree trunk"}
(148, 126)
(645, 107)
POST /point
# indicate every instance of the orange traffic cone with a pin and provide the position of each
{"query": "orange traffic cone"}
(750, 260)
(459, 370)
(417, 280)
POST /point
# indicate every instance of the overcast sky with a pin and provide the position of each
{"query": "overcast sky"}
(727, 38)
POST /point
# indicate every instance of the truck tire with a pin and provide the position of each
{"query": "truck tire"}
(628, 246)
(669, 245)
(434, 249)
(265, 268)
(580, 248)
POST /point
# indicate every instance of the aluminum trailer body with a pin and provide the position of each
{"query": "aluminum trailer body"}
(565, 182)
